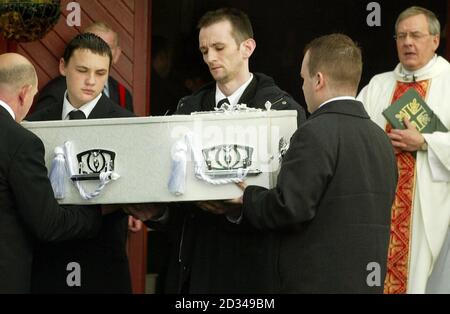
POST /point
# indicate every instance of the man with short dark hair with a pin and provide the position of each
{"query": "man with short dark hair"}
(226, 43)
(117, 92)
(103, 260)
(331, 204)
(419, 259)
(210, 253)
(28, 209)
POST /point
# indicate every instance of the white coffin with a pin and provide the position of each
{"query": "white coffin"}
(143, 151)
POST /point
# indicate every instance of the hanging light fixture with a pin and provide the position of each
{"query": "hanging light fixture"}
(28, 20)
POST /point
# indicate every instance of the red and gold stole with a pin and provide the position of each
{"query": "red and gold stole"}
(401, 215)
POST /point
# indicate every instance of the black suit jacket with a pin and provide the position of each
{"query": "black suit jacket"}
(331, 204)
(105, 108)
(261, 89)
(209, 254)
(103, 259)
(28, 210)
(53, 93)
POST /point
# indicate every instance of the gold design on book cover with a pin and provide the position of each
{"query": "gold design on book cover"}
(414, 112)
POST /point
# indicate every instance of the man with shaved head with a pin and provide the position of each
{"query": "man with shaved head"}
(28, 211)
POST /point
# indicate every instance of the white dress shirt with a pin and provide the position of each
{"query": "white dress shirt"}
(86, 108)
(336, 99)
(8, 108)
(233, 98)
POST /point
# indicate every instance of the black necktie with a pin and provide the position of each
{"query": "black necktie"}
(76, 115)
(223, 101)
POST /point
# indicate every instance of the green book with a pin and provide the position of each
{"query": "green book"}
(412, 106)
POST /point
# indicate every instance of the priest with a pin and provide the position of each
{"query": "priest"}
(420, 237)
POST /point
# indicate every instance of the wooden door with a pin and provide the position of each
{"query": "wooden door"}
(131, 20)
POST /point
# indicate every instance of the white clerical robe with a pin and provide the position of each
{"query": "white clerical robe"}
(431, 205)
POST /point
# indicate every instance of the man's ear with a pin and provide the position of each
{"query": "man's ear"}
(116, 55)
(319, 81)
(248, 46)
(25, 100)
(25, 92)
(62, 67)
(436, 41)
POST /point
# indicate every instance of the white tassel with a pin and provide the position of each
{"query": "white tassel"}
(57, 174)
(177, 180)
(196, 153)
(68, 154)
